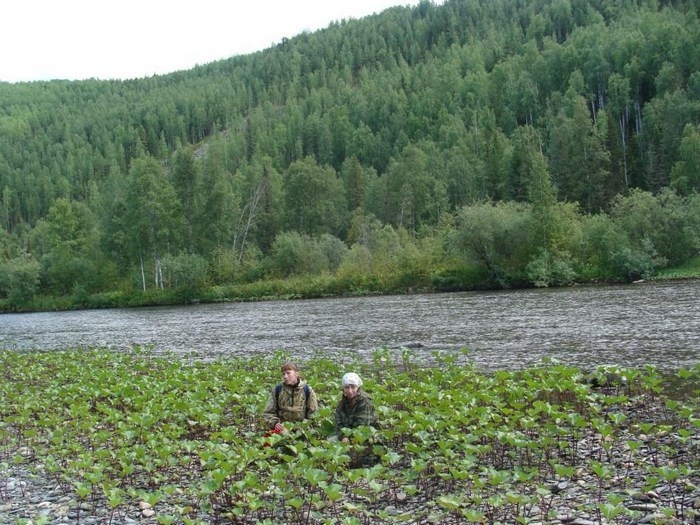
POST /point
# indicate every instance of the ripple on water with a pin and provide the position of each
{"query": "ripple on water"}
(632, 325)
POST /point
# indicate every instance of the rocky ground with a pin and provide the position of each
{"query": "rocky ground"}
(631, 494)
(31, 499)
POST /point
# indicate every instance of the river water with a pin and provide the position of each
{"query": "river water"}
(631, 326)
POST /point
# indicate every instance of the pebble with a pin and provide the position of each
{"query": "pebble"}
(24, 496)
(644, 507)
(660, 519)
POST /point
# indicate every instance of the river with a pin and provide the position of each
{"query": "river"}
(630, 325)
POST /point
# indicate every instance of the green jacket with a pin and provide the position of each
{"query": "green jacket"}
(360, 413)
(290, 405)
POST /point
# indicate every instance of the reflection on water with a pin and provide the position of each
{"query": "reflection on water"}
(653, 323)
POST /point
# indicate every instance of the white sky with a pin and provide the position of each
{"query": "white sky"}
(120, 39)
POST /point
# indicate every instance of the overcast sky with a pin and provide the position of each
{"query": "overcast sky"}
(120, 39)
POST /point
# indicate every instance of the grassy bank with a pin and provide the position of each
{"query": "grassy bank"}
(132, 435)
(291, 288)
(686, 271)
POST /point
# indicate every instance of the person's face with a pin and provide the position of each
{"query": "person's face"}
(290, 377)
(350, 391)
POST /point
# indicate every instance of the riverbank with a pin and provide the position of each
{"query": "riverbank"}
(103, 437)
(292, 288)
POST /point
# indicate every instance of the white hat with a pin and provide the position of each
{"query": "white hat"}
(351, 378)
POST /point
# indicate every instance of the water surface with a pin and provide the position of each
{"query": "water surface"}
(632, 325)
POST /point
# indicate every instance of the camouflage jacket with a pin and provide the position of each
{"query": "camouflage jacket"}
(290, 404)
(352, 415)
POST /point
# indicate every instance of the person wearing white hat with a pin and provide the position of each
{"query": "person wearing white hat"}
(355, 407)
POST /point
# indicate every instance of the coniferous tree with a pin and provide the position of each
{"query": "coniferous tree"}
(184, 178)
(685, 174)
(406, 116)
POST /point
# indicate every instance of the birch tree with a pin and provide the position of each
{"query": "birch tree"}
(153, 218)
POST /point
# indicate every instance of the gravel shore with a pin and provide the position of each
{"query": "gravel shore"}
(640, 464)
(27, 497)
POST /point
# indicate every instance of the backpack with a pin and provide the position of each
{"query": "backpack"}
(307, 391)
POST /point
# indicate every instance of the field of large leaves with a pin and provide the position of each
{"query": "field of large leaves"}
(127, 435)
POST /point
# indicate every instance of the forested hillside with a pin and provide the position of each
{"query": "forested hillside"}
(468, 144)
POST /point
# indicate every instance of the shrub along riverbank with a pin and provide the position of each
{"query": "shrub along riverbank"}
(305, 287)
(93, 436)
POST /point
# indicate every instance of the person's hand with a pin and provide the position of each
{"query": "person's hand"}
(278, 428)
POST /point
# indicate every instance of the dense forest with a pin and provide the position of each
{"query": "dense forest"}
(470, 144)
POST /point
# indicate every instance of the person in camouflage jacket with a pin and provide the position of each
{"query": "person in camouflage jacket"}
(355, 407)
(291, 401)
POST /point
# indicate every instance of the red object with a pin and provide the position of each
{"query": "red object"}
(266, 442)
